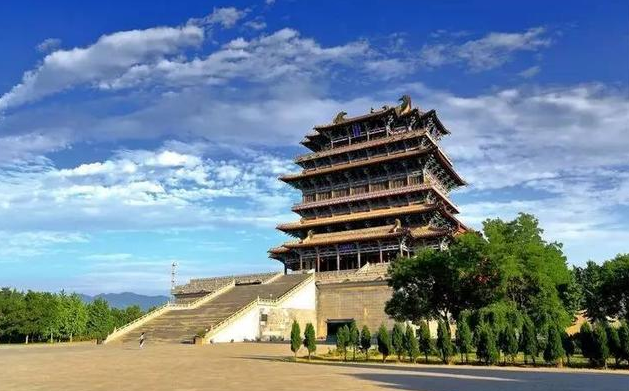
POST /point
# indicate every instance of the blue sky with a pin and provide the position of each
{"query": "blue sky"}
(135, 134)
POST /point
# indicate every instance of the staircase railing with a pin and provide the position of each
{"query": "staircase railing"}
(214, 329)
(137, 322)
(288, 293)
(204, 299)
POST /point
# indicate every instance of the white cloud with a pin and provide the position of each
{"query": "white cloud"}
(488, 52)
(49, 44)
(226, 17)
(27, 244)
(530, 72)
(109, 57)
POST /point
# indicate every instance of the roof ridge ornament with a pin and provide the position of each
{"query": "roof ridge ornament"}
(339, 118)
(405, 106)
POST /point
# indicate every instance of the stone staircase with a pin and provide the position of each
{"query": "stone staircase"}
(180, 326)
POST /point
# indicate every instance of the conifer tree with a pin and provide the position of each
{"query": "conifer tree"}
(463, 338)
(365, 341)
(553, 352)
(444, 342)
(342, 341)
(586, 338)
(623, 336)
(411, 345)
(600, 349)
(568, 346)
(425, 343)
(613, 342)
(486, 350)
(310, 342)
(295, 338)
(384, 342)
(528, 340)
(508, 343)
(397, 340)
(354, 338)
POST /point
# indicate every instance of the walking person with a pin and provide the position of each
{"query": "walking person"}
(142, 340)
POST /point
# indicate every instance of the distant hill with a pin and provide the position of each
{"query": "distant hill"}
(125, 299)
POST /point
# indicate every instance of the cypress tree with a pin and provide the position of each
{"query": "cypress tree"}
(613, 342)
(444, 342)
(411, 345)
(384, 342)
(586, 339)
(295, 338)
(365, 341)
(528, 340)
(463, 338)
(354, 338)
(554, 350)
(342, 341)
(310, 342)
(486, 350)
(623, 336)
(568, 345)
(425, 343)
(508, 343)
(397, 340)
(600, 349)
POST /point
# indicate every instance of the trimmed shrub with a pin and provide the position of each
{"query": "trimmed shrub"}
(508, 343)
(354, 338)
(295, 338)
(463, 338)
(425, 343)
(342, 341)
(310, 342)
(444, 342)
(397, 340)
(528, 340)
(613, 342)
(486, 350)
(600, 349)
(365, 341)
(568, 345)
(384, 342)
(554, 349)
(411, 345)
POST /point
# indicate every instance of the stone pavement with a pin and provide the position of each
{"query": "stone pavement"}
(249, 366)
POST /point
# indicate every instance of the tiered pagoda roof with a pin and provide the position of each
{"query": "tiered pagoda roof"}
(374, 187)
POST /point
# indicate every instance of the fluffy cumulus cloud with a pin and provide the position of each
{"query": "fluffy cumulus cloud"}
(490, 51)
(226, 17)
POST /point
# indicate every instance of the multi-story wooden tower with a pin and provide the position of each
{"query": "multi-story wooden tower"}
(374, 187)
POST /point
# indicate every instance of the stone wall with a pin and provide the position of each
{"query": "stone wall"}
(362, 301)
(280, 320)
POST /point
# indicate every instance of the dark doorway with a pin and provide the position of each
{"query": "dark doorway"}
(333, 327)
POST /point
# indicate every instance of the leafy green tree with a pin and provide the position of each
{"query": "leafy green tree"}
(586, 339)
(508, 341)
(384, 342)
(554, 349)
(623, 336)
(13, 322)
(411, 345)
(343, 340)
(100, 321)
(310, 342)
(567, 342)
(613, 342)
(365, 341)
(590, 280)
(463, 338)
(528, 340)
(295, 338)
(600, 348)
(425, 342)
(397, 340)
(486, 350)
(72, 316)
(354, 338)
(613, 289)
(444, 342)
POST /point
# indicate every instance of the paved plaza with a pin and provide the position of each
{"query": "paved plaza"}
(248, 366)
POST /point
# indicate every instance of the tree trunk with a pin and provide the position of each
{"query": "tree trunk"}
(70, 337)
(467, 360)
(426, 355)
(26, 341)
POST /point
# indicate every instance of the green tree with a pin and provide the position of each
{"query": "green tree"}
(13, 319)
(100, 321)
(590, 280)
(613, 288)
(567, 342)
(623, 337)
(73, 316)
(425, 342)
(365, 341)
(354, 338)
(295, 338)
(528, 340)
(508, 343)
(463, 338)
(411, 345)
(384, 342)
(343, 340)
(444, 342)
(486, 350)
(554, 349)
(310, 342)
(600, 348)
(613, 342)
(586, 340)
(397, 340)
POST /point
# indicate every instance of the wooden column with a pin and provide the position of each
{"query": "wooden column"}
(380, 249)
(301, 262)
(338, 259)
(318, 266)
(358, 247)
